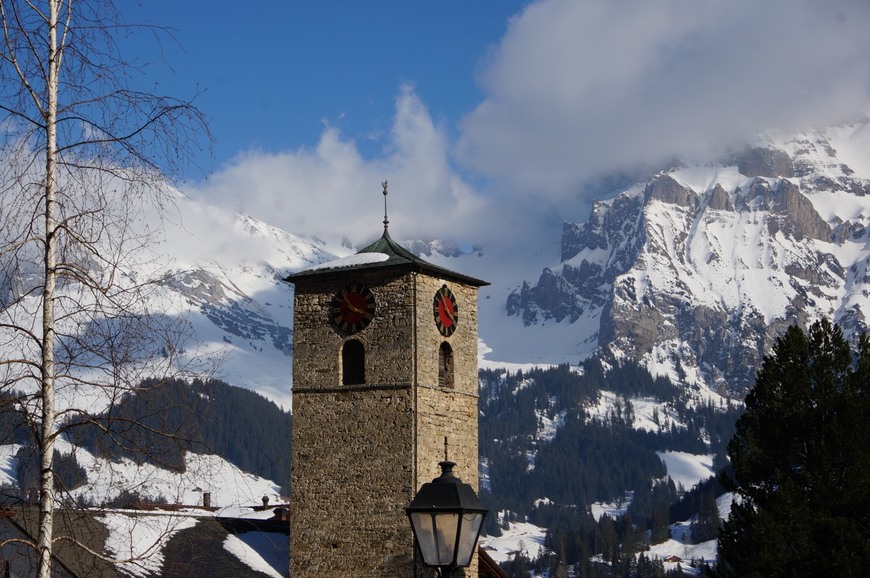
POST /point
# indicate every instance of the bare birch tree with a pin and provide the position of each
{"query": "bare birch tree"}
(83, 157)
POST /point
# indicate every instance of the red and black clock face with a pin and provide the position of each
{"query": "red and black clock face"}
(353, 308)
(446, 311)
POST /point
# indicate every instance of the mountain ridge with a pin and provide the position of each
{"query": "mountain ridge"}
(694, 271)
(691, 271)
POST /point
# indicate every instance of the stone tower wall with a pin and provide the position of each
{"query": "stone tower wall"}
(360, 453)
(352, 478)
(447, 412)
(386, 339)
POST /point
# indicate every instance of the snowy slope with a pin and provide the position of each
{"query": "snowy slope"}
(226, 277)
(230, 488)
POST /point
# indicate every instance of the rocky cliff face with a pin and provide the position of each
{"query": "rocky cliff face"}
(697, 270)
(230, 309)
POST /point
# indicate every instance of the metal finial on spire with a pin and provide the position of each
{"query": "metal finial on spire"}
(386, 220)
(445, 448)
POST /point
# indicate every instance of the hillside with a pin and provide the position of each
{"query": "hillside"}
(158, 444)
(612, 365)
(561, 446)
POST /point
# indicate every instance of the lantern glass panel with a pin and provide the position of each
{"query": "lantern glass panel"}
(436, 535)
(446, 526)
(470, 529)
(424, 528)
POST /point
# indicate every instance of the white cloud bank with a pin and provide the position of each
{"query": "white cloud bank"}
(332, 189)
(573, 89)
(576, 88)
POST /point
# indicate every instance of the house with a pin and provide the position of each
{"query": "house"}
(206, 546)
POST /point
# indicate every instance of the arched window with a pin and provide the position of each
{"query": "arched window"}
(445, 365)
(353, 363)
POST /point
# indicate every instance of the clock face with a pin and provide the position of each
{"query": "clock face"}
(353, 308)
(446, 311)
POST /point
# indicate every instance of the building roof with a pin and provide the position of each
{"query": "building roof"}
(71, 558)
(202, 551)
(488, 568)
(199, 550)
(383, 254)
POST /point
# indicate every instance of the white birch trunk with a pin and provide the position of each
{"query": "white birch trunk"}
(46, 449)
(74, 223)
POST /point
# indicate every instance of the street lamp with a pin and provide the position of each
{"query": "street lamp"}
(446, 517)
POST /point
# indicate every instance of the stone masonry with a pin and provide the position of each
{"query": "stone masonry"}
(360, 452)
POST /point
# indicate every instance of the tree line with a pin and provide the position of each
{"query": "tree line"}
(796, 462)
(588, 458)
(157, 424)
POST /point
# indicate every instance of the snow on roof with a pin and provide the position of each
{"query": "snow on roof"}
(136, 542)
(352, 261)
(261, 551)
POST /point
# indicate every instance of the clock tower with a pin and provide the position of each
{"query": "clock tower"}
(384, 383)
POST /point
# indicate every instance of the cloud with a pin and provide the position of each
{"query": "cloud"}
(574, 89)
(578, 88)
(333, 189)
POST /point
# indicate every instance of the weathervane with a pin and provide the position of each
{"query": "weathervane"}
(386, 221)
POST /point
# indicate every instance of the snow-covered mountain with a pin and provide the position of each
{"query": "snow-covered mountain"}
(226, 280)
(694, 271)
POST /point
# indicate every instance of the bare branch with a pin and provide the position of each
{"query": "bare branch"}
(82, 153)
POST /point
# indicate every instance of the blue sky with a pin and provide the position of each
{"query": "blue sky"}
(273, 74)
(488, 115)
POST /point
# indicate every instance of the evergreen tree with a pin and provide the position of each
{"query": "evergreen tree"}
(706, 524)
(659, 525)
(801, 468)
(519, 566)
(606, 541)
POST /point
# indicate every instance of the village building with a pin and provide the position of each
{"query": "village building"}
(195, 543)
